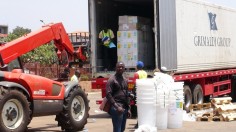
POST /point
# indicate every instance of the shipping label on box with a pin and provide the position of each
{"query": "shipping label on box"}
(134, 34)
(123, 57)
(118, 34)
(119, 58)
(119, 45)
(129, 36)
(135, 45)
(123, 45)
(129, 44)
(135, 58)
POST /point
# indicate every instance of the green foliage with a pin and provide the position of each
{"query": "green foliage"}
(20, 31)
(10, 37)
(17, 32)
(44, 55)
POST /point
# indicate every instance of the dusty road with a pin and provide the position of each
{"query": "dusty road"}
(98, 121)
(101, 122)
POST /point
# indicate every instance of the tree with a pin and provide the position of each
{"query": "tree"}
(44, 55)
(17, 32)
(20, 31)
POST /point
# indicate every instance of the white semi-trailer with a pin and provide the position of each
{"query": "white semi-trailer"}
(194, 38)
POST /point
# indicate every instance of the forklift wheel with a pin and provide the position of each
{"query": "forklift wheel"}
(75, 111)
(14, 109)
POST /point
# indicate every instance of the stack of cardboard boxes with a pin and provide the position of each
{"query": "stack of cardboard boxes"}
(134, 41)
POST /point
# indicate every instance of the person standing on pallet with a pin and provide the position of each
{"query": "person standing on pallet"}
(107, 36)
(140, 74)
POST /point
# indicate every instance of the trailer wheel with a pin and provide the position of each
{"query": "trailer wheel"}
(14, 109)
(197, 94)
(187, 98)
(75, 111)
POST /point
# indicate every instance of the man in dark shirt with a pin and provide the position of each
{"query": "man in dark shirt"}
(117, 94)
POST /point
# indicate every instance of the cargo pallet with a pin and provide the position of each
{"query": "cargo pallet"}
(210, 117)
(195, 107)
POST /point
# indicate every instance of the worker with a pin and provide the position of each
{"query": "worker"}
(117, 94)
(76, 76)
(140, 74)
(107, 36)
(65, 74)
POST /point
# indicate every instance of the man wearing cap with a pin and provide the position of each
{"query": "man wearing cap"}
(140, 74)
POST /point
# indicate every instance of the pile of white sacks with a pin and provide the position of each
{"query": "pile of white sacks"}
(159, 103)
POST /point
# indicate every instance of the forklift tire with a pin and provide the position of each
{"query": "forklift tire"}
(187, 98)
(75, 111)
(14, 109)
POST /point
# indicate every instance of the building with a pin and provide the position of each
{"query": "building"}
(79, 38)
(3, 29)
(3, 32)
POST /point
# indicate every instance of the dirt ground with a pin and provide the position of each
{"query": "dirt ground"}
(99, 121)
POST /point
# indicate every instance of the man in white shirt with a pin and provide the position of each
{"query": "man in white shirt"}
(76, 76)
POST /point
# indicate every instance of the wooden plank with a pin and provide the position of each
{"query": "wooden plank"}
(229, 116)
(227, 108)
(222, 100)
(210, 118)
(196, 107)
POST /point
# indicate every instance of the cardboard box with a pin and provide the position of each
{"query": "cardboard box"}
(129, 26)
(138, 19)
(133, 20)
(133, 46)
(129, 36)
(123, 20)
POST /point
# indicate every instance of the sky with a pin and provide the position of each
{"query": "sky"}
(28, 13)
(227, 3)
(72, 13)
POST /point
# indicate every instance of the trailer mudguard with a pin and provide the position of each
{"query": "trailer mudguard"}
(13, 84)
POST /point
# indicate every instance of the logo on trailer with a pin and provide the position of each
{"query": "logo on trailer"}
(212, 18)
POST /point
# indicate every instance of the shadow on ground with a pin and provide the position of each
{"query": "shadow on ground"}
(102, 115)
(43, 129)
